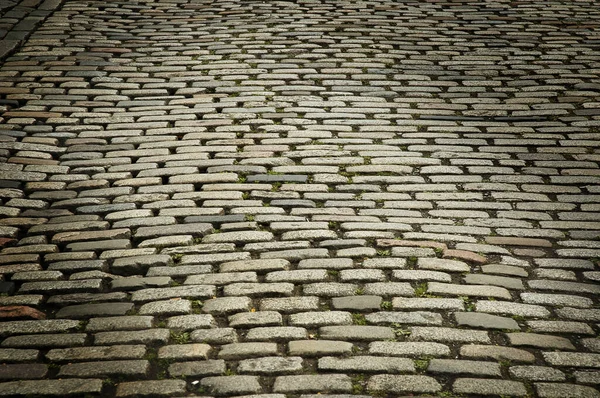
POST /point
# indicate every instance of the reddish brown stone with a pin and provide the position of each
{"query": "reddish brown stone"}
(5, 242)
(20, 311)
(465, 255)
(411, 243)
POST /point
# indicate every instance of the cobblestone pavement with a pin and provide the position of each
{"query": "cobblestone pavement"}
(302, 199)
(18, 18)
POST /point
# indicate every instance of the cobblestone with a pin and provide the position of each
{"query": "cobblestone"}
(264, 199)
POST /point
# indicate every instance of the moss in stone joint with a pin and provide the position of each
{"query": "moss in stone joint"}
(359, 319)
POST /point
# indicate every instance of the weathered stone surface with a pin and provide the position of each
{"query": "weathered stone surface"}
(317, 318)
(496, 352)
(184, 351)
(312, 383)
(271, 365)
(489, 387)
(192, 291)
(17, 355)
(165, 388)
(356, 333)
(41, 326)
(536, 373)
(215, 336)
(228, 385)
(311, 348)
(91, 310)
(259, 318)
(66, 387)
(166, 307)
(198, 368)
(574, 359)
(392, 197)
(539, 340)
(453, 366)
(408, 348)
(247, 350)
(359, 364)
(403, 384)
(357, 303)
(565, 390)
(138, 368)
(485, 321)
(97, 353)
(45, 340)
(23, 371)
(188, 322)
(20, 311)
(420, 333)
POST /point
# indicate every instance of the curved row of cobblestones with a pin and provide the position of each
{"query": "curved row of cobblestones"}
(302, 199)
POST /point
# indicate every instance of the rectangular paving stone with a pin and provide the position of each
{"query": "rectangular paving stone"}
(498, 353)
(211, 367)
(557, 300)
(572, 359)
(308, 348)
(408, 348)
(400, 384)
(560, 327)
(192, 291)
(119, 323)
(259, 289)
(463, 290)
(271, 365)
(228, 385)
(45, 340)
(357, 303)
(370, 364)
(564, 390)
(17, 355)
(226, 305)
(96, 353)
(258, 266)
(419, 333)
(364, 333)
(454, 366)
(312, 383)
(489, 387)
(148, 336)
(133, 368)
(536, 373)
(90, 310)
(184, 351)
(79, 298)
(89, 285)
(64, 387)
(166, 388)
(39, 326)
(540, 340)
(23, 371)
(503, 307)
(247, 350)
(485, 321)
(290, 304)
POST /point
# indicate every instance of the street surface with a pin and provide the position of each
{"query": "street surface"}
(300, 198)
